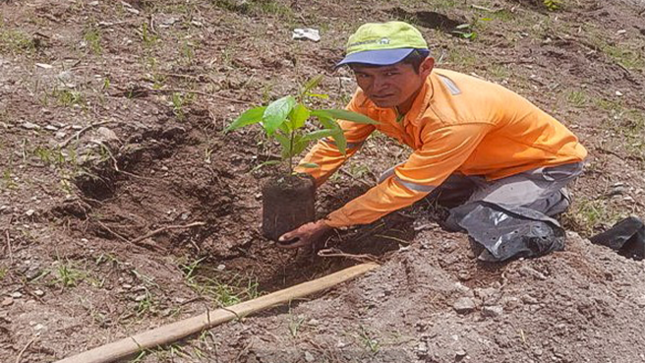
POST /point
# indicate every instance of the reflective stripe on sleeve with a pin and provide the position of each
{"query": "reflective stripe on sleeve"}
(414, 186)
(454, 90)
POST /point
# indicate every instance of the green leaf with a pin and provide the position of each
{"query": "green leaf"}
(309, 165)
(299, 115)
(349, 116)
(266, 163)
(319, 134)
(300, 146)
(285, 142)
(312, 83)
(341, 141)
(276, 113)
(325, 119)
(318, 95)
(249, 117)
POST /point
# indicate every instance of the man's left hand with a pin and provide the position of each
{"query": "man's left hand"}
(305, 235)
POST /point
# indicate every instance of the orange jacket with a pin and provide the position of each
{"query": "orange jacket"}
(457, 123)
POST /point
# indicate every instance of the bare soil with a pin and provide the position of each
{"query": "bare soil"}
(124, 207)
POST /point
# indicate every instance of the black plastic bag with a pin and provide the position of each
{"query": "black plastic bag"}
(627, 237)
(508, 231)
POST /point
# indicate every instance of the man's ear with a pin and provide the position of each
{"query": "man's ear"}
(425, 68)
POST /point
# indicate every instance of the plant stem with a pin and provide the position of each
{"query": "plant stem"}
(293, 132)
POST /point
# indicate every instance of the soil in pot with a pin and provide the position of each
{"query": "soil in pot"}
(287, 203)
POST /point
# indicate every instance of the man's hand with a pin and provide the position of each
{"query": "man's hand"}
(305, 235)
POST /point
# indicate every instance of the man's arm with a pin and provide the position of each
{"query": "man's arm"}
(444, 150)
(325, 153)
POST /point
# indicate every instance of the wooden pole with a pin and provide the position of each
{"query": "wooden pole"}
(169, 333)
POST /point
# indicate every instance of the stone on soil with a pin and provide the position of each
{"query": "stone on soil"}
(464, 305)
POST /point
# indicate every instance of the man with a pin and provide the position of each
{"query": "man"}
(471, 139)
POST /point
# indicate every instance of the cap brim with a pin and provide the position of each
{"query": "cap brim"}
(384, 57)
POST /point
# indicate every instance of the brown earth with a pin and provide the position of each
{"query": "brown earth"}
(156, 82)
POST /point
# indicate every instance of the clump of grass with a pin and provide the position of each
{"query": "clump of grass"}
(552, 5)
(370, 343)
(92, 36)
(179, 102)
(68, 276)
(233, 291)
(67, 97)
(625, 56)
(577, 98)
(587, 215)
(15, 42)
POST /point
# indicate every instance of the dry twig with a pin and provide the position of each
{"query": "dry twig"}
(334, 252)
(80, 132)
(25, 348)
(9, 239)
(162, 229)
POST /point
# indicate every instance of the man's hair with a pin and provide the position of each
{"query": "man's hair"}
(415, 58)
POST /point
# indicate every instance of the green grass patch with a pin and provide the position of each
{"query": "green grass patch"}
(92, 36)
(15, 42)
(577, 98)
(215, 286)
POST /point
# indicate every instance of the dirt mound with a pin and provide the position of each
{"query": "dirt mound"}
(432, 303)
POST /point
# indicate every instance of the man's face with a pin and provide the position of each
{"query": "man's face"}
(392, 86)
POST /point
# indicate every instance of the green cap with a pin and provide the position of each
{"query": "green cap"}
(390, 35)
(383, 43)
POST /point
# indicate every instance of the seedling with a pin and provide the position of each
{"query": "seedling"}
(552, 5)
(295, 322)
(288, 200)
(368, 342)
(285, 119)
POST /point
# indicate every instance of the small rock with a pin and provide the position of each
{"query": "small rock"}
(107, 134)
(528, 299)
(641, 301)
(132, 10)
(621, 31)
(221, 267)
(422, 347)
(511, 302)
(460, 353)
(164, 168)
(529, 271)
(16, 295)
(29, 126)
(618, 93)
(30, 212)
(39, 293)
(464, 305)
(32, 273)
(51, 128)
(492, 311)
(126, 286)
(94, 3)
(313, 322)
(309, 357)
(140, 298)
(6, 302)
(60, 134)
(39, 327)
